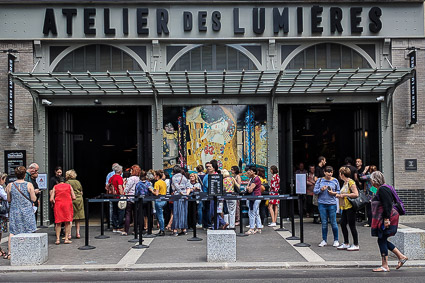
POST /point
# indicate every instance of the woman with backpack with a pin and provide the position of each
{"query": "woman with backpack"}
(385, 218)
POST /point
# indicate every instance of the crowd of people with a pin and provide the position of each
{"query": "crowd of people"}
(177, 214)
(21, 198)
(329, 194)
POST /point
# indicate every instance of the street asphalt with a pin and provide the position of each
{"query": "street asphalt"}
(269, 250)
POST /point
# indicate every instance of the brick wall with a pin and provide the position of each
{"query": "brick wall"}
(409, 142)
(23, 137)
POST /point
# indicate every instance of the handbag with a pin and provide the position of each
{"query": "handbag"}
(122, 204)
(359, 202)
(4, 207)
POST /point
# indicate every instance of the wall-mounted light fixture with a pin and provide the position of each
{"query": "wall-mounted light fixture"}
(214, 100)
(329, 99)
(380, 98)
(97, 101)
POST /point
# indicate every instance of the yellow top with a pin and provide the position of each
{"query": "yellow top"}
(344, 204)
(161, 187)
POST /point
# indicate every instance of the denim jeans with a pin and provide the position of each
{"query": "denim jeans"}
(254, 215)
(200, 207)
(159, 207)
(328, 211)
(231, 207)
(219, 222)
(117, 216)
(385, 245)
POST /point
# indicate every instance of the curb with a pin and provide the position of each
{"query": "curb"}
(205, 266)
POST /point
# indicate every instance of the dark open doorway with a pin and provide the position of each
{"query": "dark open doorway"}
(334, 131)
(90, 139)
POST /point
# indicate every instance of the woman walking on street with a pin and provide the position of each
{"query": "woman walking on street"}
(348, 215)
(384, 221)
(78, 202)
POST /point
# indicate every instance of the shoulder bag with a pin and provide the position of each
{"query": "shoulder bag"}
(359, 202)
(4, 207)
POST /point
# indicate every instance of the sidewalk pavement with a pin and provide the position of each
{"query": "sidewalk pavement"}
(269, 250)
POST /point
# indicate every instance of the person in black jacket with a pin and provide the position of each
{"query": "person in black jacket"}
(384, 221)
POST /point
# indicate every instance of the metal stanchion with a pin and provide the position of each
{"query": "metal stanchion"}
(301, 212)
(293, 237)
(41, 211)
(215, 223)
(108, 219)
(86, 240)
(102, 220)
(140, 245)
(281, 216)
(135, 222)
(241, 233)
(150, 221)
(194, 238)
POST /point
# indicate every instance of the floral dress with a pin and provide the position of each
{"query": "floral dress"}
(3, 218)
(21, 214)
(274, 188)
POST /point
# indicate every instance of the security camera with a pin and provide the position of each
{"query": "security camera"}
(46, 102)
(380, 98)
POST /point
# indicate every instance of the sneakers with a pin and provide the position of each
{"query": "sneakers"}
(323, 243)
(198, 226)
(353, 248)
(273, 224)
(335, 244)
(343, 247)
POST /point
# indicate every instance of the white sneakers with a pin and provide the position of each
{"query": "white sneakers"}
(273, 224)
(353, 248)
(340, 246)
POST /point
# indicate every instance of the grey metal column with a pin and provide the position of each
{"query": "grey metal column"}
(41, 154)
(273, 134)
(157, 121)
(386, 151)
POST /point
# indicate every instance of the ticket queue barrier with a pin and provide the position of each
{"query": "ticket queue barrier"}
(139, 203)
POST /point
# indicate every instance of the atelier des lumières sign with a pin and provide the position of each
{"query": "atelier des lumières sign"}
(146, 21)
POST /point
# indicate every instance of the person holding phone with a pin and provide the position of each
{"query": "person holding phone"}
(327, 188)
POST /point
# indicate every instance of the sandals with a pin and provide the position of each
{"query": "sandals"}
(381, 269)
(401, 262)
(250, 232)
(2, 253)
(78, 236)
(6, 256)
(67, 242)
(57, 242)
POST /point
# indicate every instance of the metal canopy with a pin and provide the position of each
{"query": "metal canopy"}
(213, 83)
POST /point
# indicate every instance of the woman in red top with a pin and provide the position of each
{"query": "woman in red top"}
(274, 190)
(61, 198)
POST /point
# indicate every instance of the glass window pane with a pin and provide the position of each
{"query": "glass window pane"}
(286, 50)
(206, 57)
(105, 57)
(243, 62)
(310, 58)
(116, 59)
(127, 62)
(298, 61)
(335, 56)
(357, 60)
(182, 64)
(65, 64)
(346, 58)
(232, 64)
(79, 60)
(221, 57)
(321, 56)
(195, 59)
(91, 57)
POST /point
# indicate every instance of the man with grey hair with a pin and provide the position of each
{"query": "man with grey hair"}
(117, 214)
(110, 174)
(31, 177)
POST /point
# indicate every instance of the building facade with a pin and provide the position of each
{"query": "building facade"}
(159, 83)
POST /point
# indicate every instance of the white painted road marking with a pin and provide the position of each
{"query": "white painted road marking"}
(133, 255)
(305, 252)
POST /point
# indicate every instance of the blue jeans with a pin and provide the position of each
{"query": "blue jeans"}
(159, 208)
(385, 245)
(117, 216)
(328, 211)
(254, 214)
(219, 222)
(200, 207)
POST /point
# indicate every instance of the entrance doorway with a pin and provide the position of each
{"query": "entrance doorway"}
(90, 139)
(335, 132)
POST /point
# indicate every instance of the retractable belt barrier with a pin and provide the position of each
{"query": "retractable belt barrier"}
(201, 196)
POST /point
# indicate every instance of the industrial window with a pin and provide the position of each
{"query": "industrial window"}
(97, 58)
(328, 56)
(213, 58)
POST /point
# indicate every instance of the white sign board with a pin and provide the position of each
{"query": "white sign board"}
(301, 184)
(42, 181)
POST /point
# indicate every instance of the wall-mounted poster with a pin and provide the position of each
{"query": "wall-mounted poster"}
(230, 134)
